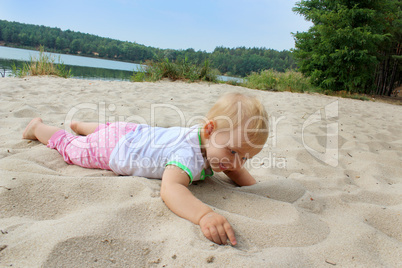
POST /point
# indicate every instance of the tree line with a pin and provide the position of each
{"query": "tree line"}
(239, 61)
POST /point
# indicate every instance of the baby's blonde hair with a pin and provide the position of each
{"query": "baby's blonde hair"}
(234, 110)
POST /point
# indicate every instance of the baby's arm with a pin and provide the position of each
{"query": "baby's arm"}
(241, 177)
(183, 203)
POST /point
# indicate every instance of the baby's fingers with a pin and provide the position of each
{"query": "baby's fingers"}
(230, 233)
(211, 234)
(222, 235)
(216, 235)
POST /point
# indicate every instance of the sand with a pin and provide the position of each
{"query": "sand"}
(329, 191)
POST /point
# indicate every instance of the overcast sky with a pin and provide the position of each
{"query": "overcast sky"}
(176, 24)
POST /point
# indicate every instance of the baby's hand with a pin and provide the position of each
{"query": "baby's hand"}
(217, 229)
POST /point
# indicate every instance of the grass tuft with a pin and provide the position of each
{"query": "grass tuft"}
(181, 70)
(44, 65)
(272, 80)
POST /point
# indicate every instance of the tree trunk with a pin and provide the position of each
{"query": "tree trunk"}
(387, 72)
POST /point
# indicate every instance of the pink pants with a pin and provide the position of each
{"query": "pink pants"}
(94, 150)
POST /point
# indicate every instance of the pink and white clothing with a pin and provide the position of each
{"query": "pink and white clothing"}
(94, 150)
(135, 150)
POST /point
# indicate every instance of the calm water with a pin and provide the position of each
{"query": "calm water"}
(81, 67)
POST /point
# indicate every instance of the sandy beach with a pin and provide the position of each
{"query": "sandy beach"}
(329, 190)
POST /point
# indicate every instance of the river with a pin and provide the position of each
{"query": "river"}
(81, 67)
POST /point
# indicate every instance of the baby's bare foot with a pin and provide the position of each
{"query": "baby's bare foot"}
(29, 132)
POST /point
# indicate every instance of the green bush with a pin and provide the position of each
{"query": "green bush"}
(292, 81)
(181, 70)
(277, 81)
(44, 65)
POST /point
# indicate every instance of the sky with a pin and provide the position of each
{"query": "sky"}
(175, 24)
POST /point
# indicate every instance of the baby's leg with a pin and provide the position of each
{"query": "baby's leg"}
(37, 130)
(83, 128)
(89, 151)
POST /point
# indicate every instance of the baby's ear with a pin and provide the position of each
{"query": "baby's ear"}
(209, 128)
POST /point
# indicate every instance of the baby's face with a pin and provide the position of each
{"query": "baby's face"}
(227, 150)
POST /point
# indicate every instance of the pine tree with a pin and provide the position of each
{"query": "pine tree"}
(341, 51)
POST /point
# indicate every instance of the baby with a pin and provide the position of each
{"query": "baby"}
(234, 130)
